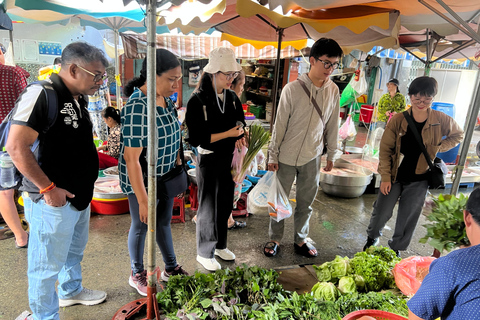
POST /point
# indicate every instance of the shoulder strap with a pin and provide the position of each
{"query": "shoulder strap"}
(52, 109)
(314, 102)
(418, 138)
(204, 106)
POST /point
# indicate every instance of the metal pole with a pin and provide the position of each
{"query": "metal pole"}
(426, 71)
(10, 32)
(118, 95)
(276, 79)
(472, 111)
(152, 155)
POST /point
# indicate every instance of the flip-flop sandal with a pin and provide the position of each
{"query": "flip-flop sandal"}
(238, 225)
(304, 249)
(271, 246)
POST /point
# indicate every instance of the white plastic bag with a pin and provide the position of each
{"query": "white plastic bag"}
(257, 198)
(347, 130)
(279, 206)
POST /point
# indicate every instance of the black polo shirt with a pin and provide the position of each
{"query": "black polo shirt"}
(66, 153)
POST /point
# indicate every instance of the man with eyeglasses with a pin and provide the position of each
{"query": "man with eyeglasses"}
(58, 179)
(307, 120)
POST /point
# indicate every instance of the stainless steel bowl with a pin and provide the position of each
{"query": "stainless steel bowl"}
(192, 175)
(346, 186)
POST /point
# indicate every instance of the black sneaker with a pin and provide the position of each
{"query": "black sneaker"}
(397, 253)
(370, 242)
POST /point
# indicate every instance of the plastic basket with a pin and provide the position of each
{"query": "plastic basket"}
(377, 314)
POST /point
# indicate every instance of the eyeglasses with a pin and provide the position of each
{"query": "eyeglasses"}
(230, 75)
(96, 77)
(328, 64)
(425, 102)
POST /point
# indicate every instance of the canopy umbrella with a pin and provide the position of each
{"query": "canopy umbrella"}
(198, 47)
(353, 27)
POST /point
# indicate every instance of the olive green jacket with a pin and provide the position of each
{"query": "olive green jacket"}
(438, 125)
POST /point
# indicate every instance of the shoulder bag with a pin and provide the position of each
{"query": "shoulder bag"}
(172, 183)
(314, 102)
(438, 170)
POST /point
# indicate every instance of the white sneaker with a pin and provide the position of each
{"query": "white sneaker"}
(86, 297)
(225, 254)
(209, 264)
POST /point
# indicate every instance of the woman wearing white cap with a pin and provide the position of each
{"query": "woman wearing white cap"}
(215, 120)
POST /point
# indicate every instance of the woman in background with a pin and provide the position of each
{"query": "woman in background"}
(390, 103)
(111, 149)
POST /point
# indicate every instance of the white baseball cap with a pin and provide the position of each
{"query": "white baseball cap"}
(222, 59)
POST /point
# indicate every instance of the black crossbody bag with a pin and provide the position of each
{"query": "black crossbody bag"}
(172, 183)
(437, 172)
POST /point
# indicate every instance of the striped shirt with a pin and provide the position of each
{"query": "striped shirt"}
(135, 135)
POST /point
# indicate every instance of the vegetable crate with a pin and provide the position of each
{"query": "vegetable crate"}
(377, 314)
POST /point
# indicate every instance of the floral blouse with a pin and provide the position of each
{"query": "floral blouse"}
(387, 103)
(113, 142)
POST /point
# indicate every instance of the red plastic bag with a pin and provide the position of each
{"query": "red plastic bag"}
(410, 272)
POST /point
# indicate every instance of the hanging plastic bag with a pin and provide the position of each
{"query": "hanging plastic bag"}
(257, 198)
(358, 83)
(410, 272)
(237, 162)
(347, 130)
(278, 204)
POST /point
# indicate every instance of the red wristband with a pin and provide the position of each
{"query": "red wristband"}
(49, 188)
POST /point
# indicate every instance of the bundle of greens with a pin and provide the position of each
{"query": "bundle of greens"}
(447, 228)
(385, 301)
(256, 138)
(367, 271)
(299, 307)
(225, 294)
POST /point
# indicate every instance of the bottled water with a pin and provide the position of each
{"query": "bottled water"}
(7, 175)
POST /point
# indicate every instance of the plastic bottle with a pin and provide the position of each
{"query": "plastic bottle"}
(7, 175)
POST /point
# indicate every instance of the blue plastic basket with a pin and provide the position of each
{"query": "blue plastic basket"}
(246, 185)
(253, 179)
(261, 173)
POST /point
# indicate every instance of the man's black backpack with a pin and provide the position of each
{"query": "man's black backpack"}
(51, 97)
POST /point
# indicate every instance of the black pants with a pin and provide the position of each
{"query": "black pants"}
(215, 197)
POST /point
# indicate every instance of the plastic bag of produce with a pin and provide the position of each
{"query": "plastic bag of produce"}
(347, 130)
(410, 272)
(278, 204)
(257, 197)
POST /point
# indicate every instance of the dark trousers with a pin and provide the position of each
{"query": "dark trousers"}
(138, 233)
(215, 202)
(411, 198)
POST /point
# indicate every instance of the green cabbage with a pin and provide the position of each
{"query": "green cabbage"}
(347, 285)
(323, 272)
(325, 291)
(340, 267)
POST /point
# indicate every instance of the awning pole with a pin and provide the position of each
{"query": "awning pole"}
(471, 120)
(276, 79)
(118, 94)
(10, 32)
(152, 156)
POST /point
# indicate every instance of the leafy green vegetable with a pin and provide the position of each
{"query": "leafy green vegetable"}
(304, 307)
(359, 282)
(323, 272)
(325, 291)
(340, 267)
(375, 272)
(385, 301)
(447, 228)
(347, 285)
(256, 138)
(385, 254)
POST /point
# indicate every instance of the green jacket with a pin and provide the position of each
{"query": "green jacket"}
(438, 125)
(387, 103)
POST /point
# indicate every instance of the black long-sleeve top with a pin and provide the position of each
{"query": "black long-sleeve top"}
(204, 118)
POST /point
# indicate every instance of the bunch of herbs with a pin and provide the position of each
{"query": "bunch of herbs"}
(446, 229)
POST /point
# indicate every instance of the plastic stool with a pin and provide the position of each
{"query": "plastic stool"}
(178, 207)
(193, 196)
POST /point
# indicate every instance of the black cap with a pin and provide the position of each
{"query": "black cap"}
(394, 81)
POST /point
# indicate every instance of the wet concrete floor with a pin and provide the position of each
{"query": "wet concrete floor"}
(337, 227)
